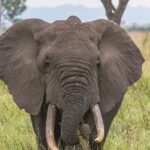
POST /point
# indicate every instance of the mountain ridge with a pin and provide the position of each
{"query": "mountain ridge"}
(138, 15)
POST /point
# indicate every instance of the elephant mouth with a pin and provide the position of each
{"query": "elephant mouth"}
(50, 125)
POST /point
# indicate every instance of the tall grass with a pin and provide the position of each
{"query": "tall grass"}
(129, 131)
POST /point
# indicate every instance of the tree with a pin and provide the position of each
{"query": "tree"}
(115, 13)
(12, 8)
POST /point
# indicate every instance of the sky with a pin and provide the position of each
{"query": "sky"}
(86, 3)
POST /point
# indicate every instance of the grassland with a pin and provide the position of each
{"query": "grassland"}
(129, 131)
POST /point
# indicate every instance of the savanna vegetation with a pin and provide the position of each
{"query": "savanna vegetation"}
(137, 28)
(129, 131)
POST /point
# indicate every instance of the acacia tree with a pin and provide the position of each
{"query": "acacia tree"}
(115, 13)
(12, 8)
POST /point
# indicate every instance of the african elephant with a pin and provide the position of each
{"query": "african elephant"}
(69, 74)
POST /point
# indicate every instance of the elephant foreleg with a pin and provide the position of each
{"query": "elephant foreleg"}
(38, 123)
(39, 129)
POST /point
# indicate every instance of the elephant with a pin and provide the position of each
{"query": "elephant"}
(69, 76)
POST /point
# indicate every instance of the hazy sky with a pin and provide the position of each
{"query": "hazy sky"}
(87, 3)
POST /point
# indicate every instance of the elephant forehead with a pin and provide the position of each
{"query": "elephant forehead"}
(74, 52)
(65, 34)
(75, 38)
(81, 30)
(77, 42)
(75, 45)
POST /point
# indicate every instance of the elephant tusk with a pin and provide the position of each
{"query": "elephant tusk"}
(99, 123)
(50, 124)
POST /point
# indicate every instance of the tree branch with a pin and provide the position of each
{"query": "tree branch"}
(113, 13)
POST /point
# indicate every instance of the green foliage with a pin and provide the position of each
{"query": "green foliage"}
(131, 128)
(136, 27)
(15, 127)
(13, 8)
(129, 131)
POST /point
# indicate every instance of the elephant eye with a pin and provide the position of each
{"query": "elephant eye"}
(46, 65)
(98, 64)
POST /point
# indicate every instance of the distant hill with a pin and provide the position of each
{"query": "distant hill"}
(139, 15)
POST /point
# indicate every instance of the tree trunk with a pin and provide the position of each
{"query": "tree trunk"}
(113, 13)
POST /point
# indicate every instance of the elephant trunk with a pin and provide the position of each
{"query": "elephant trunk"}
(73, 113)
(75, 91)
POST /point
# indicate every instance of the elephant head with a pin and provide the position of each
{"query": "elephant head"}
(81, 68)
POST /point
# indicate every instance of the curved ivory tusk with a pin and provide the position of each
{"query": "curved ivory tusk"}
(50, 124)
(99, 123)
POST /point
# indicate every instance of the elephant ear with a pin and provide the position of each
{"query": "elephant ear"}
(121, 63)
(18, 68)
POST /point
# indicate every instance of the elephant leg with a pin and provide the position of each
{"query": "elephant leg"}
(39, 129)
(38, 123)
(107, 119)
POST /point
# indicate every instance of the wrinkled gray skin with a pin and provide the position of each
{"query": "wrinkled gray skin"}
(71, 65)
